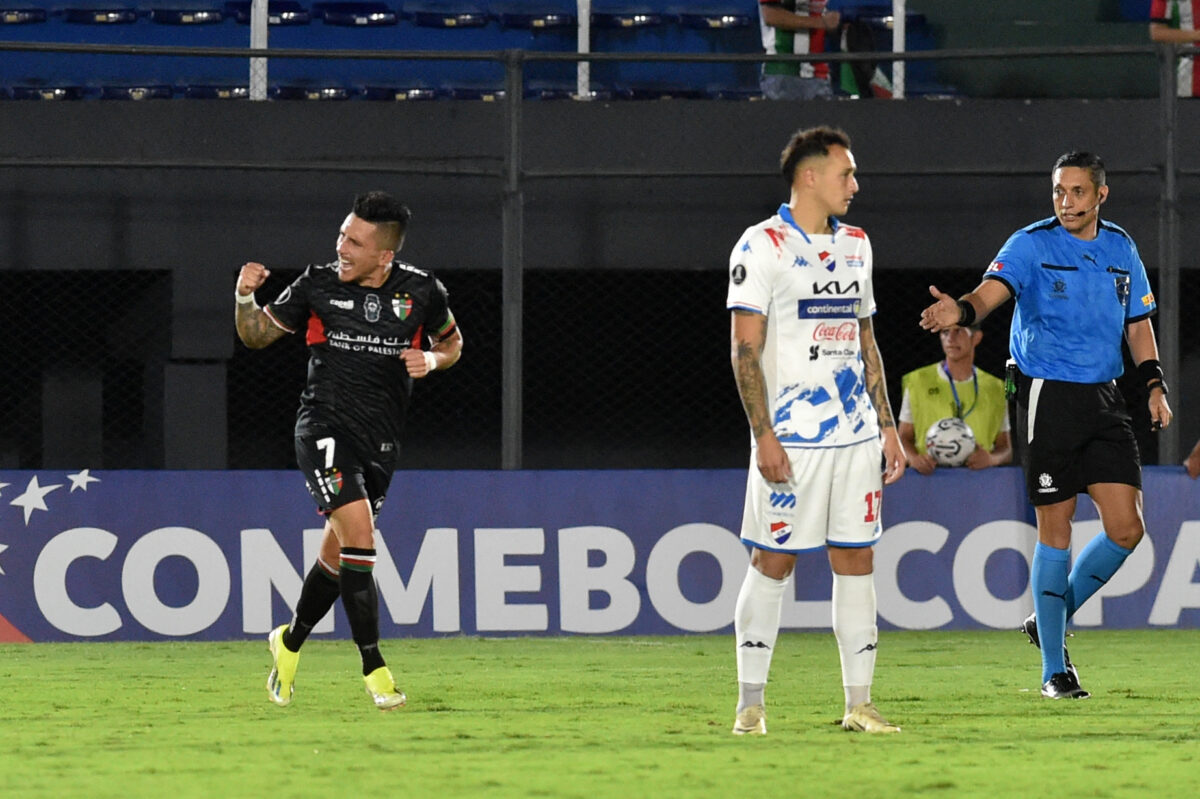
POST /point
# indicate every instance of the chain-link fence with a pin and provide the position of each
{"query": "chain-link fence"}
(622, 369)
(82, 366)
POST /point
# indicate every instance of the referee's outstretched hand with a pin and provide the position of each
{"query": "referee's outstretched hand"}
(942, 315)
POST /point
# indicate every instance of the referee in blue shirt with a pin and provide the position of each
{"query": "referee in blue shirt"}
(1079, 285)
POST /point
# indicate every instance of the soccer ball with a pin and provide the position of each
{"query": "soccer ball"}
(950, 441)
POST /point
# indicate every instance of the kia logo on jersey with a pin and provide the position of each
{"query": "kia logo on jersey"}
(835, 287)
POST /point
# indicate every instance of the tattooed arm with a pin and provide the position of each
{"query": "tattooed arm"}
(748, 334)
(254, 327)
(893, 450)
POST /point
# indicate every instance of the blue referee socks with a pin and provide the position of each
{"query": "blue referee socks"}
(1094, 567)
(1050, 584)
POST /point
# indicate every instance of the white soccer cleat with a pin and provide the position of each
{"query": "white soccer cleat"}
(866, 718)
(751, 721)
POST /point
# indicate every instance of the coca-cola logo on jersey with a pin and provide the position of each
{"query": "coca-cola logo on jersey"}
(846, 331)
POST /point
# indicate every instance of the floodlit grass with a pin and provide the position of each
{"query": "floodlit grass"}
(598, 717)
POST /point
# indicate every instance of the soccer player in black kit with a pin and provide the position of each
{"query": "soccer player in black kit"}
(373, 324)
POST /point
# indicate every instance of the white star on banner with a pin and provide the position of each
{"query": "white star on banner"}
(80, 480)
(2, 548)
(34, 498)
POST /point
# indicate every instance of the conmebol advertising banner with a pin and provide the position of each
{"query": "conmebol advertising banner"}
(120, 555)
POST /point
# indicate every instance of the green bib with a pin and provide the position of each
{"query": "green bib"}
(930, 399)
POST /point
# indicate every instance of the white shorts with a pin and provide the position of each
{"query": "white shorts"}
(833, 499)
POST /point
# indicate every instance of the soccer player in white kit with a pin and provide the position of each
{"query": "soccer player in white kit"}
(810, 376)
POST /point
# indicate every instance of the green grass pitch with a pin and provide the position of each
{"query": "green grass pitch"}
(596, 718)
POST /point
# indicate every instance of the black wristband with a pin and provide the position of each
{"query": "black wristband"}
(1150, 370)
(966, 313)
(1158, 382)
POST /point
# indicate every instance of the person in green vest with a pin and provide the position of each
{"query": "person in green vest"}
(954, 386)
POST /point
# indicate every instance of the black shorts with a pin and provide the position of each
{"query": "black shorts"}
(1082, 435)
(338, 472)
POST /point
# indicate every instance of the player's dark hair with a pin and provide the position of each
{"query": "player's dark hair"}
(808, 143)
(1084, 160)
(386, 212)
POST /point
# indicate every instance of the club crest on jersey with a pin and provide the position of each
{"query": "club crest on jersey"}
(781, 532)
(402, 306)
(371, 308)
(828, 260)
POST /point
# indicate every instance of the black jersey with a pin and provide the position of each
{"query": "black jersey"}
(357, 381)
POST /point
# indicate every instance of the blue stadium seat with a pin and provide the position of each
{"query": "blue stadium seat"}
(451, 14)
(22, 15)
(535, 15)
(187, 15)
(396, 94)
(299, 91)
(216, 92)
(100, 14)
(45, 92)
(279, 12)
(136, 91)
(355, 14)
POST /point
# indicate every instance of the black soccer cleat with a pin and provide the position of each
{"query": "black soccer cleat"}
(1063, 685)
(1029, 627)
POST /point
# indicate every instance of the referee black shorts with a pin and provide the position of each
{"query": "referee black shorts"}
(1074, 435)
(338, 471)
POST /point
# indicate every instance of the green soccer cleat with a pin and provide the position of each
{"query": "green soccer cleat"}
(281, 681)
(381, 687)
(751, 721)
(866, 718)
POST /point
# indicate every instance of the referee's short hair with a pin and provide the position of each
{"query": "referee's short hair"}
(1083, 160)
(808, 143)
(385, 211)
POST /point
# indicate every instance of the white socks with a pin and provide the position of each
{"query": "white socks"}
(856, 632)
(756, 626)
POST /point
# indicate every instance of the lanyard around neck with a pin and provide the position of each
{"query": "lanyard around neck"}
(958, 408)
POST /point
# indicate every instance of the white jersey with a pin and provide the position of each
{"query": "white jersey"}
(813, 289)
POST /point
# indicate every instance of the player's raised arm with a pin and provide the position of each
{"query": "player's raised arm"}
(254, 328)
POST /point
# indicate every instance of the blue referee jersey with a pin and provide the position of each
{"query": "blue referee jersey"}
(1074, 299)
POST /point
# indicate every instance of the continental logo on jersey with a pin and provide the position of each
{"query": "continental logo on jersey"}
(1147, 300)
(996, 266)
(827, 309)
(402, 305)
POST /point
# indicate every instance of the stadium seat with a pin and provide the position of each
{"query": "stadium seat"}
(187, 15)
(534, 15)
(33, 92)
(100, 15)
(279, 12)
(355, 14)
(453, 14)
(203, 92)
(311, 92)
(22, 16)
(397, 94)
(136, 92)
